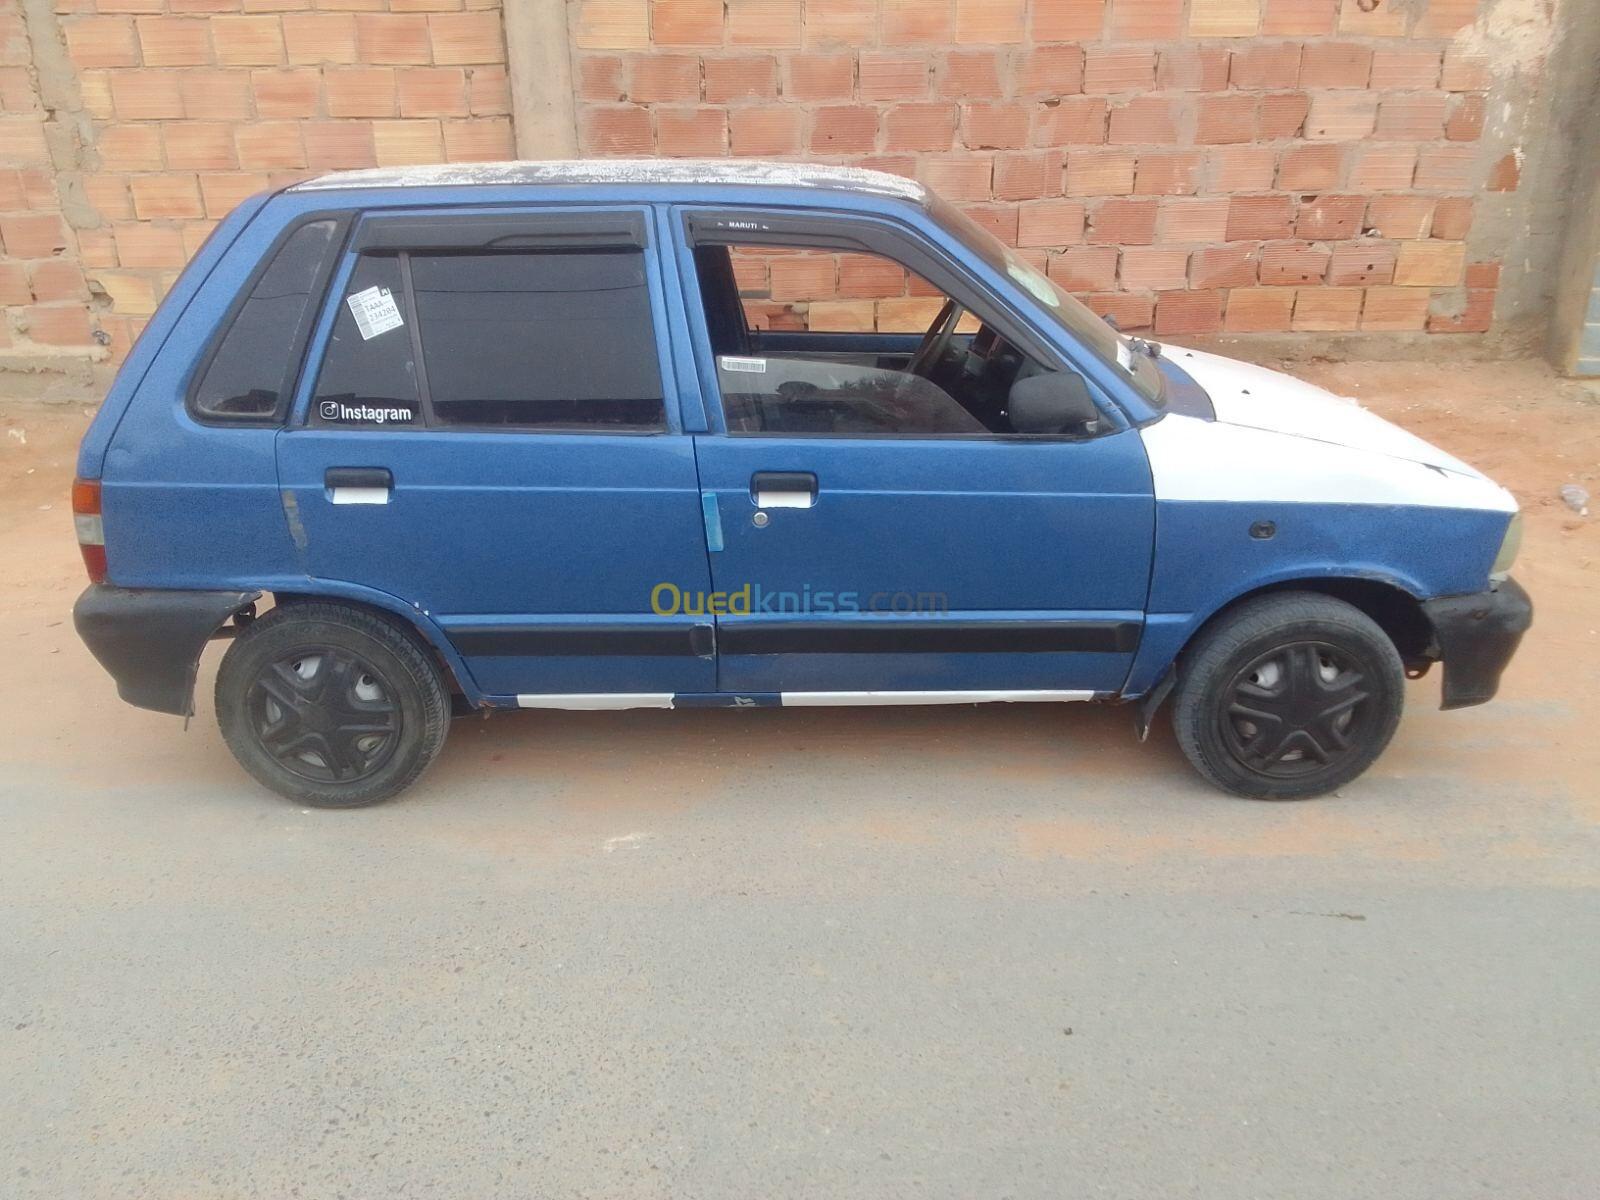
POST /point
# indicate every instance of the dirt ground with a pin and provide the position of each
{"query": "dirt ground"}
(1001, 950)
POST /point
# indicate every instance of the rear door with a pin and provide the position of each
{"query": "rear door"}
(493, 437)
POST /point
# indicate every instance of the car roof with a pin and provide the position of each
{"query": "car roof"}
(642, 172)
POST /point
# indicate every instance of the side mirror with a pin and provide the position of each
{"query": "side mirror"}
(1053, 403)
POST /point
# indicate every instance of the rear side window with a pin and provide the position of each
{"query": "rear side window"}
(550, 339)
(251, 372)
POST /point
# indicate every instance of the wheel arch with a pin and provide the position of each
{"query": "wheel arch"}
(1394, 609)
(456, 675)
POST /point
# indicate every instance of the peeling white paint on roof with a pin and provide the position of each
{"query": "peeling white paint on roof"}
(641, 171)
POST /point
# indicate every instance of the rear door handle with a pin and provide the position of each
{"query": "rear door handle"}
(783, 489)
(358, 485)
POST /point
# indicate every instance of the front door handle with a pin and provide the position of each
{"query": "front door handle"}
(783, 489)
(358, 485)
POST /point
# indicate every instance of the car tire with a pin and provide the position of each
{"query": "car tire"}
(331, 706)
(1287, 696)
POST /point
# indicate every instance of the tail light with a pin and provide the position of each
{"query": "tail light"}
(91, 531)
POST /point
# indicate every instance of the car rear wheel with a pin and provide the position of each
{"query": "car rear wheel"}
(331, 706)
(1288, 696)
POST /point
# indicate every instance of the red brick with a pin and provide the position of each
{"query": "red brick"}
(200, 146)
(1310, 168)
(1399, 216)
(1068, 20)
(1465, 122)
(1185, 219)
(465, 39)
(1050, 223)
(316, 38)
(1188, 312)
(1075, 121)
(1193, 68)
(1299, 18)
(1417, 118)
(99, 42)
(919, 127)
(692, 131)
(1120, 222)
(1293, 263)
(1146, 20)
(332, 146)
(967, 177)
(147, 95)
(748, 77)
(1051, 71)
(617, 131)
(964, 74)
(1240, 168)
(14, 287)
(844, 129)
(803, 276)
(360, 91)
(916, 22)
(56, 279)
(173, 42)
(819, 77)
(1224, 266)
(1226, 119)
(764, 131)
(1259, 218)
(1341, 116)
(1445, 168)
(1361, 263)
(1445, 18)
(1002, 126)
(58, 325)
(1283, 115)
(1335, 65)
(1128, 311)
(1258, 310)
(665, 79)
(1483, 275)
(1330, 218)
(1085, 268)
(988, 21)
(292, 93)
(1168, 173)
(215, 95)
(836, 23)
(1118, 69)
(1464, 71)
(1154, 268)
(268, 145)
(1100, 172)
(881, 76)
(38, 235)
(1473, 315)
(866, 276)
(1383, 168)
(1031, 176)
(1326, 310)
(600, 78)
(998, 219)
(1452, 218)
(1405, 68)
(1143, 121)
(1505, 175)
(1266, 66)
(1395, 309)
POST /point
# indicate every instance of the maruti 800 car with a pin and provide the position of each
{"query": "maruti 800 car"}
(451, 439)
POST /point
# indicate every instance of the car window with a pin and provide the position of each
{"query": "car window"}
(252, 370)
(819, 342)
(553, 340)
(561, 340)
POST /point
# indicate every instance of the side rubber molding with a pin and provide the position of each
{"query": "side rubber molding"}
(1477, 634)
(150, 640)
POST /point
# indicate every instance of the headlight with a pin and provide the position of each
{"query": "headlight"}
(1509, 545)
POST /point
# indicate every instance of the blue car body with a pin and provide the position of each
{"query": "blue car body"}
(532, 561)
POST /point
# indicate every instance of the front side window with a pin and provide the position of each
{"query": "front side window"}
(816, 342)
(251, 373)
(555, 339)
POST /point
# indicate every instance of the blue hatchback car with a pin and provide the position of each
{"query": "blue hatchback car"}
(448, 439)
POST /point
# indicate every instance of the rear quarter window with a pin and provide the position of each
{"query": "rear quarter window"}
(250, 372)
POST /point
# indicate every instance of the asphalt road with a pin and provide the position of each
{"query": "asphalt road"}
(854, 953)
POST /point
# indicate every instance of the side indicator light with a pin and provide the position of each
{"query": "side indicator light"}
(91, 530)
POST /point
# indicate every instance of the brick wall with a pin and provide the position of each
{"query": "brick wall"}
(188, 106)
(1191, 166)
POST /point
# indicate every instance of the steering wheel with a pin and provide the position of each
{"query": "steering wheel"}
(936, 340)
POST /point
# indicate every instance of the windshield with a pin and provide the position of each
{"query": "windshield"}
(1086, 329)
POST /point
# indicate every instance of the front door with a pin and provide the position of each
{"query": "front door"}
(493, 438)
(880, 526)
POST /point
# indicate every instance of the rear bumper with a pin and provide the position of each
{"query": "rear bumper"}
(150, 639)
(1476, 636)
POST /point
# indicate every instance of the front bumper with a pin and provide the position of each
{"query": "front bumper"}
(1476, 635)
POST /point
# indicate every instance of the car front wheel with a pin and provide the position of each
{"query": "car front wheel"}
(331, 706)
(1288, 696)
